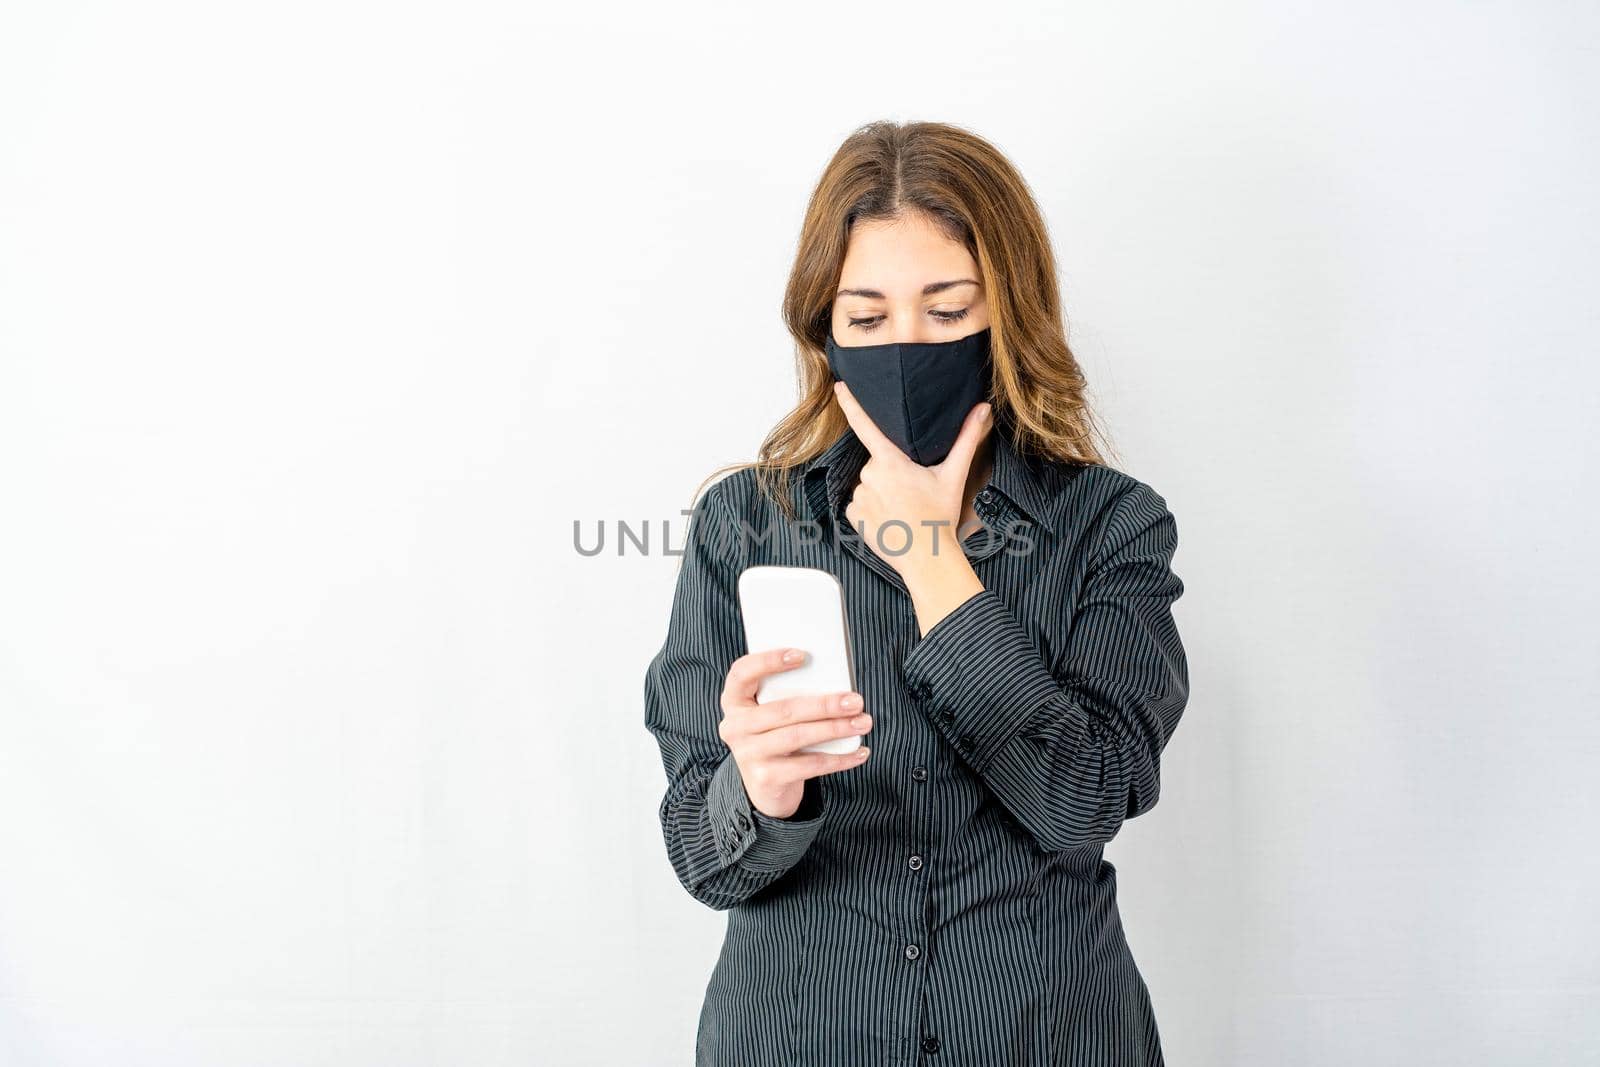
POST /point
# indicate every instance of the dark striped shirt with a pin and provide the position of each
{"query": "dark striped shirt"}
(946, 902)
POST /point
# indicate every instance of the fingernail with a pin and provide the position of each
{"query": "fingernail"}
(861, 753)
(850, 702)
(794, 655)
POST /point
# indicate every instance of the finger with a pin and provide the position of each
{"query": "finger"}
(958, 462)
(805, 765)
(877, 443)
(788, 740)
(744, 676)
(782, 771)
(807, 707)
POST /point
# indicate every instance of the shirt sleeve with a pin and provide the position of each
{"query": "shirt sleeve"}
(1075, 752)
(723, 850)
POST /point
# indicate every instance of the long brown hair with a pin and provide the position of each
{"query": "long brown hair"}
(975, 195)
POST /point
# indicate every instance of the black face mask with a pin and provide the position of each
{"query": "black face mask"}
(918, 392)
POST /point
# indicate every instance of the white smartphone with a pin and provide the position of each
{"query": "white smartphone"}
(800, 607)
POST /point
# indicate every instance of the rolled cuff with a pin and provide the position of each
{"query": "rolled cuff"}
(752, 839)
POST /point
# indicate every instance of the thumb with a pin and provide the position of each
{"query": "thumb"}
(958, 462)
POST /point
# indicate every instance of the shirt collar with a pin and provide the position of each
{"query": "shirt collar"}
(831, 474)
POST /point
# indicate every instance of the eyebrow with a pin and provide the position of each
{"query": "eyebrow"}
(927, 290)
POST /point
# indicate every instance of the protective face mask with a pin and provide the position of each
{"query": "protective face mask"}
(917, 392)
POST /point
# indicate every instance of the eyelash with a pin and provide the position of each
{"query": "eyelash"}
(866, 325)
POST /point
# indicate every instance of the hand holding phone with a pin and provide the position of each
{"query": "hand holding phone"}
(788, 721)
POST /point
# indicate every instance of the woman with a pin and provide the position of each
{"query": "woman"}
(939, 896)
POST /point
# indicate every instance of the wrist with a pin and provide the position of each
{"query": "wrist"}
(940, 584)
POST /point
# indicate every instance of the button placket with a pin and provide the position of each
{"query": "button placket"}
(918, 887)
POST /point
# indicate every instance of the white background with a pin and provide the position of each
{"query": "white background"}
(321, 323)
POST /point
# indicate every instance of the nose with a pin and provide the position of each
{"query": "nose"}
(914, 328)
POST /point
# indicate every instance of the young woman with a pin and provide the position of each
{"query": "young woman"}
(939, 896)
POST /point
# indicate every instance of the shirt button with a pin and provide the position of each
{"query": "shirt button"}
(964, 743)
(986, 494)
(912, 952)
(930, 1044)
(915, 863)
(921, 691)
(947, 716)
(742, 822)
(919, 773)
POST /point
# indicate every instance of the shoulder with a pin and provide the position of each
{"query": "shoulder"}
(1086, 497)
(737, 495)
(736, 507)
(1102, 511)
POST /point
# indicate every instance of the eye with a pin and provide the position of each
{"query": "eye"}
(946, 317)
